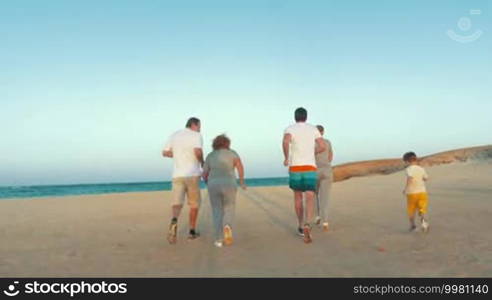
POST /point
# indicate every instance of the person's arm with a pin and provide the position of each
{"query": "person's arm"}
(199, 155)
(197, 148)
(168, 150)
(321, 145)
(205, 176)
(408, 174)
(409, 181)
(330, 152)
(425, 177)
(206, 171)
(240, 171)
(285, 146)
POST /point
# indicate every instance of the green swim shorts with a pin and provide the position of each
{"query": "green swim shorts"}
(303, 181)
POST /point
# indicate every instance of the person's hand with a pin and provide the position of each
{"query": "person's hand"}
(242, 184)
(167, 153)
(286, 162)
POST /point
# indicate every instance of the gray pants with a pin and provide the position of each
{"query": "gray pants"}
(325, 178)
(223, 202)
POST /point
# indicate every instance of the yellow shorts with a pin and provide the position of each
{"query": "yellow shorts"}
(417, 201)
(189, 187)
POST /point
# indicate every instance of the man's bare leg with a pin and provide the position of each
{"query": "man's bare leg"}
(173, 227)
(177, 211)
(309, 216)
(193, 218)
(309, 207)
(299, 207)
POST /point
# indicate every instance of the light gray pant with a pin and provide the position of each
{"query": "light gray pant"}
(223, 202)
(325, 178)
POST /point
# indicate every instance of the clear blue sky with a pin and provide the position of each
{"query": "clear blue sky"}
(90, 90)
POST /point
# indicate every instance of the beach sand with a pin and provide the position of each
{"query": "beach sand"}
(124, 235)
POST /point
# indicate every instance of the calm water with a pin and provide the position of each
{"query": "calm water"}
(105, 188)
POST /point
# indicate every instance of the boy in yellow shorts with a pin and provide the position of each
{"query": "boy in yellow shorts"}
(416, 192)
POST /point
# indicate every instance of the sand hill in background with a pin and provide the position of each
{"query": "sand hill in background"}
(388, 166)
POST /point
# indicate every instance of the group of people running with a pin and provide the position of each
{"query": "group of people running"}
(306, 153)
(308, 157)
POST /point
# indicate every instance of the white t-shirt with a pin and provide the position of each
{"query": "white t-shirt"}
(418, 174)
(183, 143)
(302, 144)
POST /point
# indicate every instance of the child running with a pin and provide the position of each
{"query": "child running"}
(416, 192)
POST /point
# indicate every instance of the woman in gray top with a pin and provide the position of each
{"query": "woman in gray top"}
(219, 175)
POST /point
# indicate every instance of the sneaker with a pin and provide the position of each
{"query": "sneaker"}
(307, 234)
(326, 226)
(172, 235)
(227, 235)
(218, 244)
(193, 235)
(425, 226)
(317, 221)
(300, 232)
(413, 228)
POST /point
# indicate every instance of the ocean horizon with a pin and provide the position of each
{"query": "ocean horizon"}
(60, 190)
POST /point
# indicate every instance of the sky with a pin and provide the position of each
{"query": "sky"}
(91, 90)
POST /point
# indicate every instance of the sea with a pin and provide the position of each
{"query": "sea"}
(33, 191)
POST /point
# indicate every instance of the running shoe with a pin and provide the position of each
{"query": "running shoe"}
(300, 232)
(317, 221)
(326, 226)
(425, 226)
(227, 235)
(218, 244)
(307, 234)
(172, 235)
(193, 235)
(413, 228)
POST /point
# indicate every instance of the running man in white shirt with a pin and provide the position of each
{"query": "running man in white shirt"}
(299, 146)
(416, 192)
(185, 147)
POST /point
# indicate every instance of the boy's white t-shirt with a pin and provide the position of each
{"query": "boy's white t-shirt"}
(183, 143)
(418, 174)
(302, 144)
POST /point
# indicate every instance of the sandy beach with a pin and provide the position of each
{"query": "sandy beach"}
(123, 235)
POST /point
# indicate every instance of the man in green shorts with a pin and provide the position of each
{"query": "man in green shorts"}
(299, 146)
